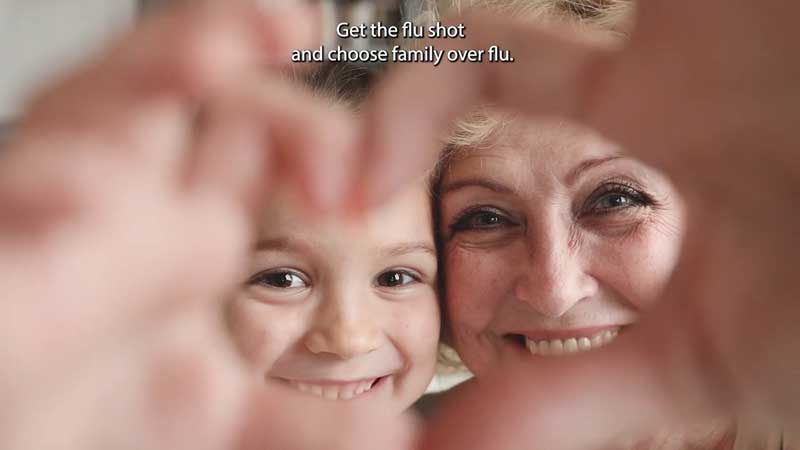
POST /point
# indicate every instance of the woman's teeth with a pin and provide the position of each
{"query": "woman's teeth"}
(335, 391)
(570, 345)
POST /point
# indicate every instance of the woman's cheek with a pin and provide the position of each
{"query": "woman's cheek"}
(661, 256)
(639, 268)
(477, 282)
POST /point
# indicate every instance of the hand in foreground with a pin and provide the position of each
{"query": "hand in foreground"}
(706, 91)
(124, 220)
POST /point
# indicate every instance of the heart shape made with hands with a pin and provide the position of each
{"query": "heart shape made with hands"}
(112, 140)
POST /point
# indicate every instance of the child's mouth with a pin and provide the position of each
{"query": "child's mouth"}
(337, 390)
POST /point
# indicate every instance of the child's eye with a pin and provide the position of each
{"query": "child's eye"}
(396, 278)
(481, 218)
(279, 278)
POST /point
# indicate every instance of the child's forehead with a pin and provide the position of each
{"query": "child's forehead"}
(404, 216)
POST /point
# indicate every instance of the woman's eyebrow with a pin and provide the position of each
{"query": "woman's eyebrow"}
(588, 164)
(408, 247)
(479, 182)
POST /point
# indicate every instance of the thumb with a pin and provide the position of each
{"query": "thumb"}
(554, 72)
(610, 398)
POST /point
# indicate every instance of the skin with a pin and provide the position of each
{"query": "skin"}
(701, 88)
(332, 301)
(550, 232)
(704, 92)
(126, 253)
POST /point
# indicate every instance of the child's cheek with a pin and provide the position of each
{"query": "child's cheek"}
(419, 330)
(258, 332)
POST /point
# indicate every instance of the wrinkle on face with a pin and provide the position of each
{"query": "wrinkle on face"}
(546, 174)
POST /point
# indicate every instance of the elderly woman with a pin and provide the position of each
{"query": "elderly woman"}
(552, 239)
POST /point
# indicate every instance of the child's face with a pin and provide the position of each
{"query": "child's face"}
(344, 308)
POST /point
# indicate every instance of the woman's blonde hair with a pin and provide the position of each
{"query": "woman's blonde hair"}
(614, 17)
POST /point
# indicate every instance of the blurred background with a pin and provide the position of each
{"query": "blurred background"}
(40, 39)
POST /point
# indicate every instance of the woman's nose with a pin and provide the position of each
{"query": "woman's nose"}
(554, 280)
(342, 328)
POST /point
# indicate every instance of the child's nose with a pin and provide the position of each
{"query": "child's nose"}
(344, 331)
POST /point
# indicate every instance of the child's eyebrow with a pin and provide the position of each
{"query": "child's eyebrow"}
(408, 247)
(281, 244)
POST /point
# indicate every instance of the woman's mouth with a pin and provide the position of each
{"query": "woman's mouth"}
(337, 390)
(579, 342)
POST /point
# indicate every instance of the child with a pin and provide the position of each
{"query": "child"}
(344, 309)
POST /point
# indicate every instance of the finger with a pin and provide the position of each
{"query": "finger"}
(791, 437)
(284, 419)
(315, 144)
(195, 50)
(182, 389)
(138, 100)
(137, 103)
(554, 72)
(231, 154)
(612, 398)
(303, 141)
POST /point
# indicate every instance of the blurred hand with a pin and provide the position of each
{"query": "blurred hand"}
(707, 91)
(125, 198)
(122, 225)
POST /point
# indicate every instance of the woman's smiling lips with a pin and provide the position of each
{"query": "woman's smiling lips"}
(560, 342)
(336, 389)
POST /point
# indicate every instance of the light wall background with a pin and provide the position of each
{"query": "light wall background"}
(40, 39)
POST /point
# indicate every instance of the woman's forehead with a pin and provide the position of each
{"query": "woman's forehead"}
(555, 148)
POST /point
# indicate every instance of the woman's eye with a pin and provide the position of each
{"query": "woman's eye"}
(614, 197)
(614, 201)
(281, 279)
(480, 220)
(396, 278)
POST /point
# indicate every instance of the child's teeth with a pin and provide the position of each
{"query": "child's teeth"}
(364, 386)
(331, 392)
(334, 392)
(346, 393)
(570, 345)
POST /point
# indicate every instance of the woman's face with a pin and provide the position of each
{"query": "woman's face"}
(554, 241)
(344, 309)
